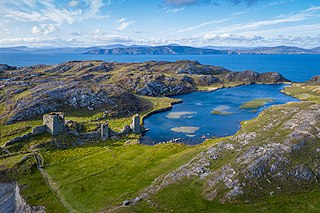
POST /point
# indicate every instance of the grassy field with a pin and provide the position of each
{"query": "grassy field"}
(96, 177)
(254, 104)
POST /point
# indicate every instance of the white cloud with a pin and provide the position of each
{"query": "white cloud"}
(249, 40)
(46, 11)
(123, 24)
(174, 10)
(281, 19)
(112, 38)
(97, 32)
(73, 3)
(226, 37)
(45, 29)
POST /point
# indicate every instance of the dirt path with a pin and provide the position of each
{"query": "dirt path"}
(53, 185)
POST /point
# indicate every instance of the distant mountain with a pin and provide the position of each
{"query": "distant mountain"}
(227, 48)
(59, 49)
(158, 50)
(317, 49)
(278, 50)
(172, 49)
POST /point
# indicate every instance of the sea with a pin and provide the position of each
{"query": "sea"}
(296, 68)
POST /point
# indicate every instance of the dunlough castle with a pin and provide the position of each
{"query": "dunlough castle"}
(55, 124)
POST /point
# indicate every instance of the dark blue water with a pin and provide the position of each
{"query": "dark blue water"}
(294, 67)
(192, 121)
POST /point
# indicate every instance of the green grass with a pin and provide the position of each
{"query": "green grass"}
(187, 197)
(254, 104)
(33, 187)
(90, 118)
(220, 112)
(184, 197)
(10, 162)
(305, 92)
(8, 132)
(92, 178)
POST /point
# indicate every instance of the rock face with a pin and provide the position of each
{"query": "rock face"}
(97, 85)
(251, 77)
(53, 96)
(4, 67)
(315, 79)
(258, 162)
(12, 202)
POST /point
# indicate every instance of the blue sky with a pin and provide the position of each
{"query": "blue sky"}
(241, 23)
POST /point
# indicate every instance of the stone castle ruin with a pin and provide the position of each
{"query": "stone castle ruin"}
(105, 131)
(135, 125)
(55, 124)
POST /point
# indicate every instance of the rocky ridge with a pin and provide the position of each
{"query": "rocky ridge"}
(96, 85)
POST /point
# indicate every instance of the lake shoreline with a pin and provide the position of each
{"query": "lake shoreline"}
(211, 136)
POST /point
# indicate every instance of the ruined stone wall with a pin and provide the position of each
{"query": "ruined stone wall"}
(35, 131)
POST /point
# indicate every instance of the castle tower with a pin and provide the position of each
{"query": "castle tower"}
(54, 122)
(104, 130)
(135, 125)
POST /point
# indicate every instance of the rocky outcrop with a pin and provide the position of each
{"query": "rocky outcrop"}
(53, 96)
(5, 67)
(194, 67)
(249, 76)
(12, 202)
(315, 79)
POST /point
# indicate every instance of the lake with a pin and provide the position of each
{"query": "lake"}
(294, 67)
(192, 121)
